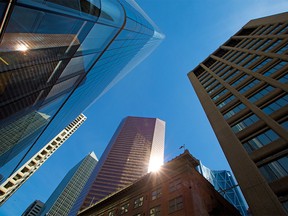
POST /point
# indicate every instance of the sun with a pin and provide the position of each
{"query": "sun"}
(155, 164)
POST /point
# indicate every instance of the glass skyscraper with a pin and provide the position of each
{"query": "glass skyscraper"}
(242, 87)
(20, 176)
(136, 146)
(57, 57)
(62, 200)
(224, 183)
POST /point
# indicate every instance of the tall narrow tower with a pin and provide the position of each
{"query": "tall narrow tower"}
(243, 89)
(135, 149)
(65, 196)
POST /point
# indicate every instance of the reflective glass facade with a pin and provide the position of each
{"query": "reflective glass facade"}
(63, 198)
(137, 143)
(243, 90)
(58, 57)
(224, 183)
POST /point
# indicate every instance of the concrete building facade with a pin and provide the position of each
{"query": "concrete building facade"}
(242, 87)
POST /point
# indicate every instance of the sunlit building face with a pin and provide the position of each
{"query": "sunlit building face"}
(136, 148)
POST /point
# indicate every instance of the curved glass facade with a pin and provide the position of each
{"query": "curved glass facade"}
(56, 58)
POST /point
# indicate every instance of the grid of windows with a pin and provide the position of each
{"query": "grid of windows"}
(273, 45)
(261, 94)
(176, 204)
(234, 111)
(247, 64)
(232, 76)
(283, 79)
(276, 105)
(245, 123)
(260, 140)
(275, 170)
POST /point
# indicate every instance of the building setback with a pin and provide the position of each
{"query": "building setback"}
(62, 200)
(177, 189)
(19, 177)
(33, 209)
(242, 87)
(60, 59)
(137, 144)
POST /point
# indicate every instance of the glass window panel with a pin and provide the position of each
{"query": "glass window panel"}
(275, 170)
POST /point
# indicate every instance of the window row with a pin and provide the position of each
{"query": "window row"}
(276, 105)
(245, 123)
(234, 111)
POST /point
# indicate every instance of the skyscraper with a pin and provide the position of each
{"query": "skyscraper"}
(242, 87)
(34, 209)
(223, 182)
(63, 198)
(19, 177)
(57, 57)
(135, 148)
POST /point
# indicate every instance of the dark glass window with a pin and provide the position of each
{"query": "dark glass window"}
(222, 104)
(262, 64)
(261, 94)
(283, 79)
(175, 185)
(245, 123)
(260, 140)
(276, 67)
(276, 105)
(249, 86)
(219, 94)
(283, 49)
(274, 44)
(176, 204)
(275, 170)
(234, 111)
(156, 194)
(236, 82)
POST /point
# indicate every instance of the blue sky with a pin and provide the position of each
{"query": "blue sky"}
(158, 87)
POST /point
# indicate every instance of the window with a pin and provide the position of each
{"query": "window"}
(244, 59)
(275, 68)
(283, 79)
(155, 211)
(236, 82)
(138, 202)
(285, 125)
(247, 64)
(124, 209)
(245, 123)
(234, 111)
(261, 94)
(276, 29)
(175, 185)
(222, 104)
(283, 49)
(232, 76)
(156, 193)
(275, 170)
(264, 44)
(262, 64)
(215, 88)
(219, 94)
(249, 86)
(175, 204)
(283, 30)
(111, 213)
(273, 45)
(260, 140)
(276, 105)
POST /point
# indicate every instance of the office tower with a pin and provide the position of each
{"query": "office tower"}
(242, 87)
(176, 189)
(34, 209)
(21, 131)
(136, 146)
(19, 177)
(224, 183)
(62, 200)
(58, 57)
